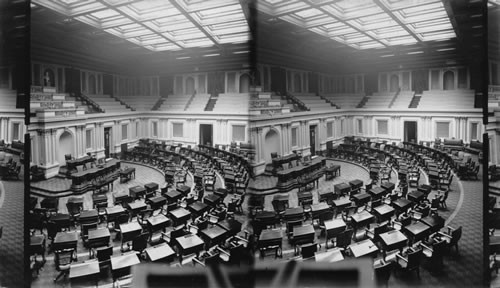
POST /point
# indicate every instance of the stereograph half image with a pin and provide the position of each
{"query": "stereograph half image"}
(249, 143)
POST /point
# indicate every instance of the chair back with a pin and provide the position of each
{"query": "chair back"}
(383, 273)
(414, 259)
(52, 229)
(308, 250)
(344, 238)
(121, 219)
(63, 259)
(177, 232)
(140, 242)
(291, 224)
(104, 254)
(455, 236)
(87, 227)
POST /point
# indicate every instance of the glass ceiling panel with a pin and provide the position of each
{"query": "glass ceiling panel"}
(391, 22)
(161, 25)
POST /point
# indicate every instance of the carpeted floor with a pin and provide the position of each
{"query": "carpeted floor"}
(12, 240)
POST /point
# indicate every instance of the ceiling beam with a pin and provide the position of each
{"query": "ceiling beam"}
(142, 24)
(195, 22)
(396, 19)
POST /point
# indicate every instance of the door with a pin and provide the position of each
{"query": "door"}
(312, 139)
(107, 134)
(410, 131)
(206, 134)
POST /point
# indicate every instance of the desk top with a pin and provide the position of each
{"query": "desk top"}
(377, 190)
(265, 214)
(172, 194)
(320, 207)
(124, 260)
(280, 197)
(362, 216)
(189, 241)
(433, 221)
(213, 232)
(151, 185)
(363, 248)
(88, 214)
(159, 251)
(198, 206)
(59, 217)
(66, 237)
(383, 209)
(118, 209)
(82, 269)
(361, 196)
(127, 170)
(111, 163)
(289, 212)
(212, 198)
(331, 256)
(180, 213)
(300, 231)
(36, 240)
(137, 189)
(136, 205)
(157, 199)
(130, 227)
(401, 202)
(334, 224)
(388, 185)
(392, 237)
(417, 229)
(341, 202)
(157, 220)
(270, 234)
(230, 225)
(99, 233)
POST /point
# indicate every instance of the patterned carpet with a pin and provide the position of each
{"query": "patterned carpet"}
(12, 240)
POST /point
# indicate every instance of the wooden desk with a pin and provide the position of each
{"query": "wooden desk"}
(393, 240)
(160, 252)
(212, 200)
(157, 223)
(231, 225)
(88, 216)
(189, 244)
(295, 213)
(383, 212)
(317, 209)
(184, 189)
(151, 187)
(342, 188)
(126, 175)
(80, 273)
(361, 219)
(129, 231)
(136, 206)
(99, 237)
(434, 221)
(37, 246)
(113, 212)
(213, 236)
(417, 231)
(333, 228)
(270, 238)
(303, 234)
(388, 186)
(304, 196)
(363, 248)
(120, 264)
(325, 196)
(198, 208)
(401, 204)
(157, 202)
(65, 240)
(332, 172)
(341, 203)
(137, 192)
(377, 192)
(172, 196)
(355, 184)
(416, 196)
(331, 256)
(361, 199)
(179, 216)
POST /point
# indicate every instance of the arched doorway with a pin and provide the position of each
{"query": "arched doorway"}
(394, 83)
(49, 79)
(448, 80)
(65, 147)
(271, 144)
(92, 85)
(244, 83)
(189, 85)
(297, 83)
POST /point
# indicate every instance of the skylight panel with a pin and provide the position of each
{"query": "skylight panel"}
(309, 13)
(198, 43)
(400, 40)
(224, 10)
(240, 38)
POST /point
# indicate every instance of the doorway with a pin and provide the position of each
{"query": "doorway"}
(272, 144)
(66, 146)
(312, 139)
(107, 135)
(206, 134)
(410, 131)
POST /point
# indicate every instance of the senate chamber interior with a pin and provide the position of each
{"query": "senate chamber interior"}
(294, 143)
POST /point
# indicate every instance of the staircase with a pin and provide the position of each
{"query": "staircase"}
(329, 101)
(158, 103)
(211, 104)
(123, 102)
(395, 97)
(363, 102)
(415, 101)
(89, 105)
